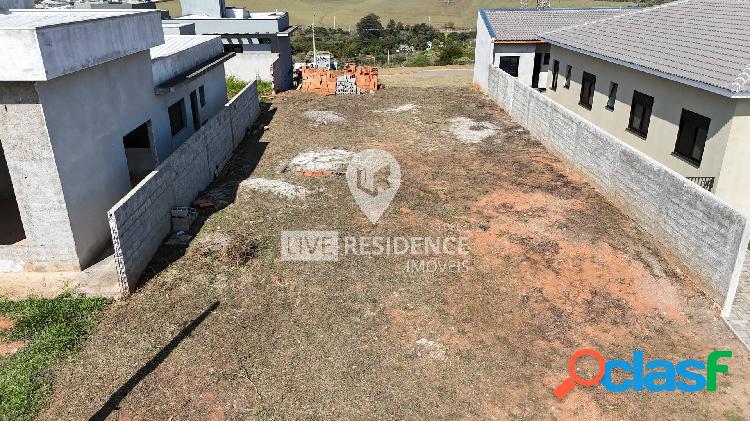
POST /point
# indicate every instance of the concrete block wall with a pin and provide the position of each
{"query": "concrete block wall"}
(141, 220)
(705, 233)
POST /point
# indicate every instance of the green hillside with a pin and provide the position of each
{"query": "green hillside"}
(461, 12)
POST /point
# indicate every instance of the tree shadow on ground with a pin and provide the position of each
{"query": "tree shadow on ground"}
(241, 166)
(113, 403)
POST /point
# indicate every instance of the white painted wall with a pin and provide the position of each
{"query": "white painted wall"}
(482, 54)
(525, 52)
(253, 66)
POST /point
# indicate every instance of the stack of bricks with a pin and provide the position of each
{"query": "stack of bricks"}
(324, 81)
(367, 78)
(320, 81)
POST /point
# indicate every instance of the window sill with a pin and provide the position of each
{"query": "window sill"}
(687, 160)
(637, 133)
(586, 106)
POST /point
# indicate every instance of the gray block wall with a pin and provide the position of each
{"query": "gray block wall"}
(141, 220)
(706, 234)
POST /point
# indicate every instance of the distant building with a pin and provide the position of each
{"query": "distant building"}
(261, 41)
(510, 39)
(90, 102)
(16, 4)
(145, 5)
(672, 81)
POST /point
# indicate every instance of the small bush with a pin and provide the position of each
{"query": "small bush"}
(420, 60)
(264, 88)
(234, 86)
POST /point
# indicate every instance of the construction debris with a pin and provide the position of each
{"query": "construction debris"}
(183, 218)
(324, 117)
(351, 80)
(322, 162)
(468, 130)
(276, 187)
(400, 109)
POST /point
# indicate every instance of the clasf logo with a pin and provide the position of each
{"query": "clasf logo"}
(658, 375)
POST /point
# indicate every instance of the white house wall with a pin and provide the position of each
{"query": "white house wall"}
(483, 51)
(525, 52)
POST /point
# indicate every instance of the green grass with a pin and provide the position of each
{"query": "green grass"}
(463, 13)
(53, 330)
(234, 86)
(264, 88)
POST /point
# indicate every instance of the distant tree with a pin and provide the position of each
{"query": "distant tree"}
(369, 27)
(391, 28)
(450, 53)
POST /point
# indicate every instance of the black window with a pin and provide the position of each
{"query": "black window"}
(640, 113)
(555, 73)
(568, 74)
(264, 40)
(691, 138)
(233, 48)
(509, 64)
(177, 116)
(202, 94)
(546, 59)
(588, 85)
(612, 96)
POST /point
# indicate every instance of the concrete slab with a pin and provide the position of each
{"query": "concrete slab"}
(99, 280)
(45, 44)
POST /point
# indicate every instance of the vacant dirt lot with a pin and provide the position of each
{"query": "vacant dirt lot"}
(225, 329)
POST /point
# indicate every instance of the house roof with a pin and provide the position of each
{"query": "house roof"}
(528, 24)
(35, 19)
(703, 43)
(45, 44)
(182, 53)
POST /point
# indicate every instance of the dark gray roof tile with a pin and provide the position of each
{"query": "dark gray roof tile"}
(704, 41)
(528, 24)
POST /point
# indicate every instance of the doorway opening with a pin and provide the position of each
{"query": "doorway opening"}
(11, 226)
(139, 152)
(537, 70)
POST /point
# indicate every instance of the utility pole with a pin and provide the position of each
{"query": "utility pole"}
(389, 58)
(334, 21)
(315, 51)
(429, 20)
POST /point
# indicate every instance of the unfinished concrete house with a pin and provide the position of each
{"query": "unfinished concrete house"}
(261, 41)
(91, 101)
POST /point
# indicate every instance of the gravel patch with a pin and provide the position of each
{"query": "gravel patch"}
(468, 130)
(324, 117)
(325, 160)
(277, 187)
(401, 109)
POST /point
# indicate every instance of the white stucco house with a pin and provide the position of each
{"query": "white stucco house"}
(510, 39)
(261, 40)
(90, 102)
(672, 81)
